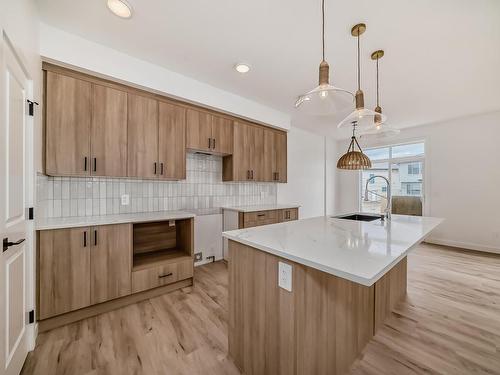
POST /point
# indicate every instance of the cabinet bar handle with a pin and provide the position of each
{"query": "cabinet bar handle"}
(214, 143)
(161, 168)
(85, 239)
(252, 174)
(166, 275)
(155, 167)
(85, 163)
(209, 143)
(259, 215)
(95, 237)
(95, 164)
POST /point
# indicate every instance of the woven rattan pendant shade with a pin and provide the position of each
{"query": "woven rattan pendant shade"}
(352, 159)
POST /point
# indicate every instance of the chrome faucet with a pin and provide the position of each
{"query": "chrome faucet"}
(388, 208)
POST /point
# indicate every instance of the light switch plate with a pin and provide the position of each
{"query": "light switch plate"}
(125, 200)
(285, 276)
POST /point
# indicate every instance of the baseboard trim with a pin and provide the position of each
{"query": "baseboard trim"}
(463, 245)
(87, 312)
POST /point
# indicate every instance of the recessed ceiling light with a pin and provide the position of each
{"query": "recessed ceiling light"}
(242, 68)
(120, 8)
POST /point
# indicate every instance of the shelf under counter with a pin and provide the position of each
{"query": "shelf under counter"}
(159, 257)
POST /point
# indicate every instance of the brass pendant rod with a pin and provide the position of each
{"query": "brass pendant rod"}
(323, 27)
(359, 74)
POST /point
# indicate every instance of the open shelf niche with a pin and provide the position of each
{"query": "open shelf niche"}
(161, 242)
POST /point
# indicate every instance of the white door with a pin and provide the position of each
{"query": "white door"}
(13, 111)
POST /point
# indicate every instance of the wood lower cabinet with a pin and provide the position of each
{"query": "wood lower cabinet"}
(110, 262)
(108, 132)
(171, 141)
(258, 218)
(67, 123)
(63, 271)
(86, 271)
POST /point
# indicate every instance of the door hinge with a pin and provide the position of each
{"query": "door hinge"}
(31, 105)
(31, 316)
(31, 213)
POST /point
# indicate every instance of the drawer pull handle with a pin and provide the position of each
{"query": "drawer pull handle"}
(166, 275)
(260, 215)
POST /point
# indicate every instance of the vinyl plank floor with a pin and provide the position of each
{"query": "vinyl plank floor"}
(448, 324)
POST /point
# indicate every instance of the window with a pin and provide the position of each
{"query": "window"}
(414, 168)
(402, 165)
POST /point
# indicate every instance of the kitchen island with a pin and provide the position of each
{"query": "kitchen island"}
(340, 280)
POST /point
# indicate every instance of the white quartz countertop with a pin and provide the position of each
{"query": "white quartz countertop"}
(361, 252)
(142, 217)
(261, 207)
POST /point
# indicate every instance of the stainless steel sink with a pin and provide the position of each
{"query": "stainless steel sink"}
(359, 217)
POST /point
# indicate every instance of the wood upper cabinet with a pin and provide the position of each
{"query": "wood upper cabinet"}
(142, 137)
(171, 141)
(208, 133)
(110, 262)
(108, 132)
(247, 161)
(63, 271)
(275, 156)
(222, 135)
(198, 130)
(67, 122)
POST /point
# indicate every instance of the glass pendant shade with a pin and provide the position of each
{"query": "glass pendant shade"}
(364, 117)
(325, 99)
(379, 131)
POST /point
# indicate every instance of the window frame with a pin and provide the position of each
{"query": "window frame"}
(396, 160)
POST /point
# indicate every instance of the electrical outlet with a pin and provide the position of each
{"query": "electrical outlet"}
(198, 257)
(285, 276)
(125, 200)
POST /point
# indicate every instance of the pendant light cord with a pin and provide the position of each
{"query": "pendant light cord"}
(323, 26)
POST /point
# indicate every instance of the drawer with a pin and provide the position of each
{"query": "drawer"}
(160, 275)
(253, 219)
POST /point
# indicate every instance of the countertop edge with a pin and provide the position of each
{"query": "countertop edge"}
(261, 208)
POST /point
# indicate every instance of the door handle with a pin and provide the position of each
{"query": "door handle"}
(85, 239)
(155, 167)
(95, 237)
(95, 164)
(213, 143)
(161, 168)
(7, 243)
(85, 163)
(209, 143)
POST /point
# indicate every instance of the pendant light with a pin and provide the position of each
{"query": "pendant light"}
(325, 99)
(363, 116)
(353, 159)
(378, 130)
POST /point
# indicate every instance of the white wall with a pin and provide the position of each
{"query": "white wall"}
(306, 173)
(71, 49)
(462, 179)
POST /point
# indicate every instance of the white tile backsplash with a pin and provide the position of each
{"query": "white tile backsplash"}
(203, 188)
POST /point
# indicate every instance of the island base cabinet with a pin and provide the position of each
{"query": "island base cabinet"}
(320, 327)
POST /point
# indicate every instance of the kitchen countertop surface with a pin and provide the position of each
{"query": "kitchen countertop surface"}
(361, 252)
(261, 207)
(84, 221)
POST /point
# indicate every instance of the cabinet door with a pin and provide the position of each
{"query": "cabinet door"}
(280, 158)
(240, 159)
(142, 137)
(64, 271)
(269, 157)
(222, 135)
(109, 132)
(198, 130)
(172, 141)
(67, 121)
(256, 152)
(110, 259)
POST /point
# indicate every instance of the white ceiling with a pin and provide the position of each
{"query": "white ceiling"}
(442, 56)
